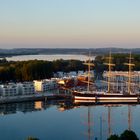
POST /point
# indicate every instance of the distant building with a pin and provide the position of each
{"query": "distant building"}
(45, 85)
(80, 72)
(26, 88)
(72, 73)
(10, 89)
(59, 74)
(119, 81)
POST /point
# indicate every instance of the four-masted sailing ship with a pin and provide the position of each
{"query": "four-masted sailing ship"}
(109, 96)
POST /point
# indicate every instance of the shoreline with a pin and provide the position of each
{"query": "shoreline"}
(47, 97)
(34, 97)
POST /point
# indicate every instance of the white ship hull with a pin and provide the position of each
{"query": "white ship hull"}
(105, 98)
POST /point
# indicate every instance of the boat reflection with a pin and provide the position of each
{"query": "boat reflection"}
(108, 122)
(100, 121)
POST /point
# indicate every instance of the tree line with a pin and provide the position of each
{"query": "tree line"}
(126, 135)
(119, 60)
(39, 69)
(35, 69)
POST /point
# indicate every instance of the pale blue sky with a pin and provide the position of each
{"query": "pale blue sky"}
(69, 23)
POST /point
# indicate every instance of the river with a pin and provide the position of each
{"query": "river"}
(48, 57)
(65, 121)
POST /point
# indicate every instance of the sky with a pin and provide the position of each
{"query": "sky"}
(69, 23)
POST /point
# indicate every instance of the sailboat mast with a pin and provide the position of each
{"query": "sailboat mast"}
(109, 73)
(129, 75)
(110, 65)
(89, 64)
(88, 73)
(130, 65)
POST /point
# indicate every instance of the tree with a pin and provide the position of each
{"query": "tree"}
(32, 138)
(128, 135)
(113, 137)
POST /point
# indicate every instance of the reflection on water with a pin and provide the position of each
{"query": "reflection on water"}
(66, 120)
(25, 107)
(38, 105)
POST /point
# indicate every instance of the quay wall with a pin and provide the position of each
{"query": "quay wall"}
(35, 97)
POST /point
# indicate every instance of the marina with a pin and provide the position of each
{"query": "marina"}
(69, 70)
(110, 95)
(117, 87)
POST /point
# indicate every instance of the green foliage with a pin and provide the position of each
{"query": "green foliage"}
(39, 69)
(126, 135)
(36, 69)
(2, 61)
(67, 65)
(7, 73)
(99, 64)
(32, 138)
(113, 137)
(118, 60)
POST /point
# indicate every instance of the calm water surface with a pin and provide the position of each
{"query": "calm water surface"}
(64, 121)
(48, 57)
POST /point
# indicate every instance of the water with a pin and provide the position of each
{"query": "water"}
(65, 121)
(48, 57)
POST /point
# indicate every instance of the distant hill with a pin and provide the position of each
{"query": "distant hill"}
(94, 51)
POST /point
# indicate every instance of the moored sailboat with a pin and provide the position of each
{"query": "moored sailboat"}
(109, 96)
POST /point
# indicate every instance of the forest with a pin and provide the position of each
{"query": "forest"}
(35, 69)
(39, 69)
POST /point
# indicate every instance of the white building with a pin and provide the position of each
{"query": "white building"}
(59, 74)
(80, 72)
(72, 73)
(119, 80)
(45, 85)
(10, 89)
(26, 88)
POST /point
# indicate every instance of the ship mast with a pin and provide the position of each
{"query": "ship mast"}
(88, 73)
(89, 64)
(110, 65)
(130, 65)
